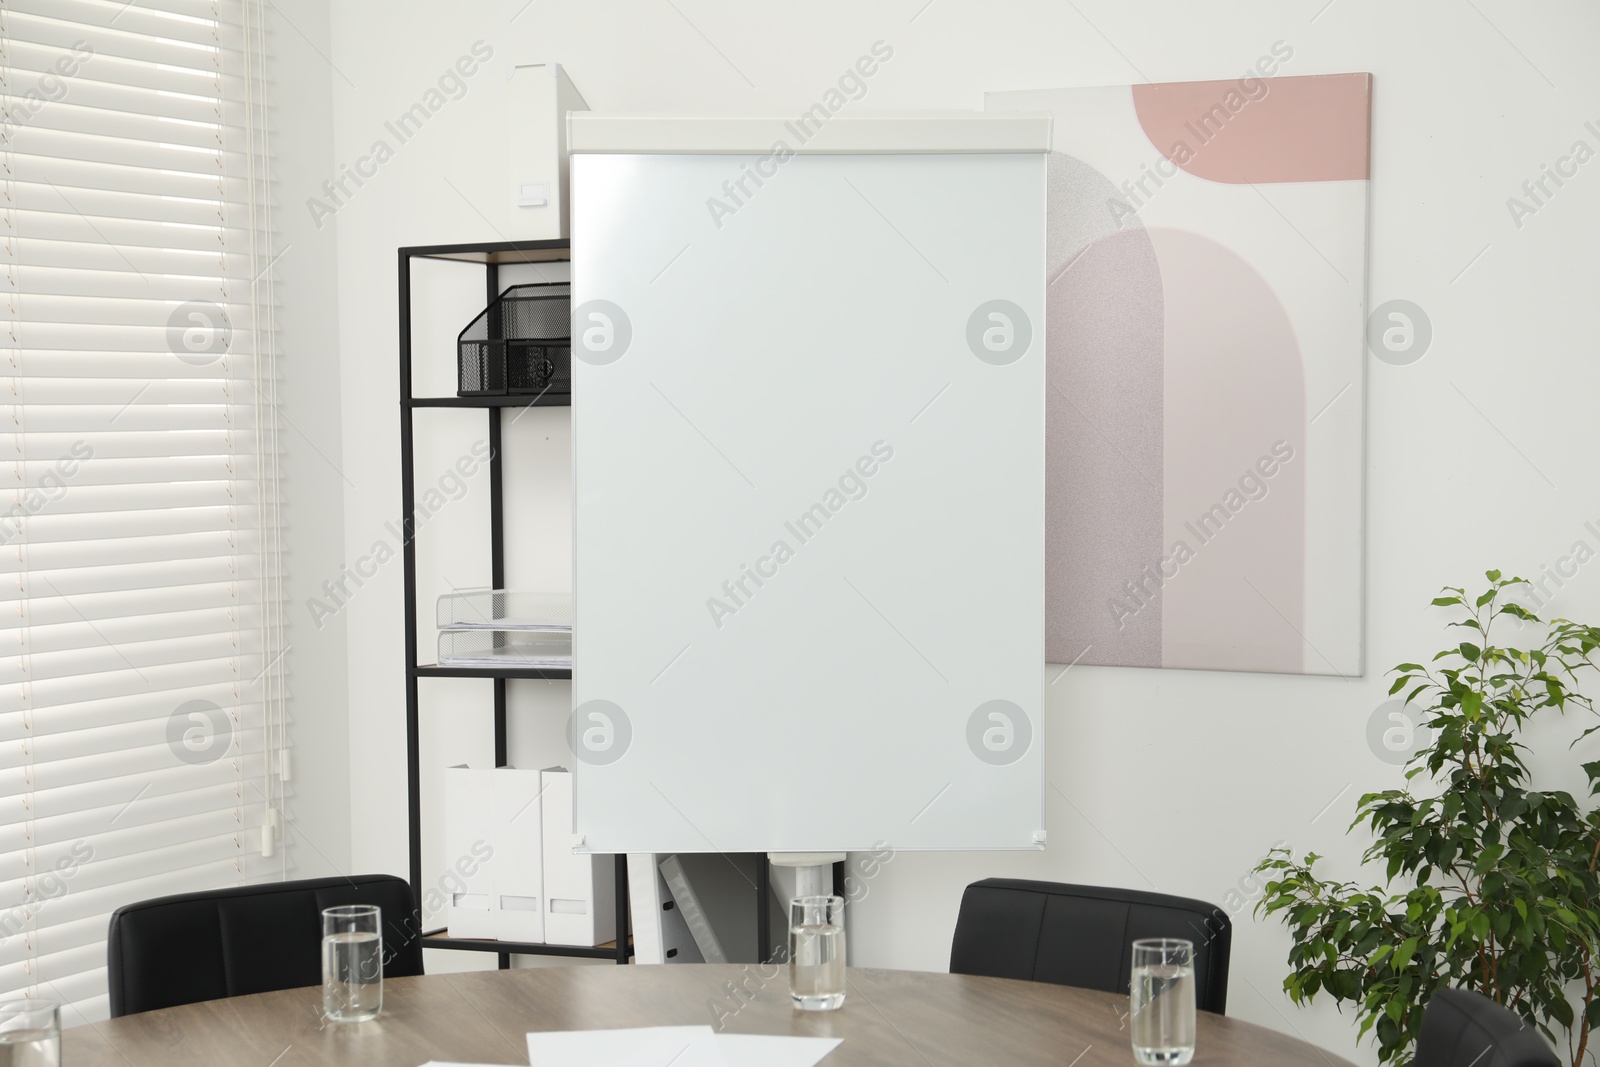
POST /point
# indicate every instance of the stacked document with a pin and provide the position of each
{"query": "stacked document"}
(505, 628)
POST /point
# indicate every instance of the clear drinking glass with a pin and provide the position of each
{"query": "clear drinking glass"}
(1162, 1012)
(30, 1034)
(352, 962)
(816, 953)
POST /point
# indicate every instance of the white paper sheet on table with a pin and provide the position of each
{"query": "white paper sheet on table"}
(677, 1046)
(762, 1050)
(646, 1046)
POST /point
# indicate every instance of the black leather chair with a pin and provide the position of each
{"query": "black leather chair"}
(1466, 1029)
(247, 939)
(1082, 935)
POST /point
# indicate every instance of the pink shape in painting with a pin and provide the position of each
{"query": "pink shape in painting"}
(1236, 468)
(1260, 130)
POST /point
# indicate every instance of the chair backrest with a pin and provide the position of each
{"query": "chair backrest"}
(1082, 936)
(1466, 1029)
(246, 939)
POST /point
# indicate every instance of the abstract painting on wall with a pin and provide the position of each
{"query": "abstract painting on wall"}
(1206, 346)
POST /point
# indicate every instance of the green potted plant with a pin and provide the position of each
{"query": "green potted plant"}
(1490, 883)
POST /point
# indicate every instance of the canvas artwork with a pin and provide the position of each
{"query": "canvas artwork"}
(1206, 302)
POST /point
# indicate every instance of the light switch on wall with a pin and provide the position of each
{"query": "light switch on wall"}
(533, 194)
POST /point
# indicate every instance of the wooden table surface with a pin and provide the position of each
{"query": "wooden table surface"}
(890, 1017)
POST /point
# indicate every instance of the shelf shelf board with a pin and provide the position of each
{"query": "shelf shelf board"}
(495, 252)
(542, 400)
(432, 670)
(440, 939)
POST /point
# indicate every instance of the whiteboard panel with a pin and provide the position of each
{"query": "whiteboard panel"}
(808, 449)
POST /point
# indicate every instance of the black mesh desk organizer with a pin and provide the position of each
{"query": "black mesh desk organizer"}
(519, 345)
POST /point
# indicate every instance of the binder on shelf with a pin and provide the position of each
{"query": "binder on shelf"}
(468, 826)
(493, 841)
(518, 876)
(580, 890)
(660, 934)
(541, 95)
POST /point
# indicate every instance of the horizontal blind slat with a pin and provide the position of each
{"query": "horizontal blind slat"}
(42, 693)
(200, 55)
(159, 21)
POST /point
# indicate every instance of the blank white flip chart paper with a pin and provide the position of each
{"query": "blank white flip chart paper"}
(809, 523)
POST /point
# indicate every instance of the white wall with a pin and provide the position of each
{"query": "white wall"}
(1178, 780)
(309, 394)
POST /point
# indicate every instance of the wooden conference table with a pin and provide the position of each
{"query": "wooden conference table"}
(889, 1017)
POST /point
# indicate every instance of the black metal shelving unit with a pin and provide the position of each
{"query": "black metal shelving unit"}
(490, 257)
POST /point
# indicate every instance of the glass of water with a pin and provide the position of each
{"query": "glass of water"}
(1162, 1012)
(352, 963)
(816, 953)
(30, 1034)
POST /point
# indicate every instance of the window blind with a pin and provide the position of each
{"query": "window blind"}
(141, 673)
